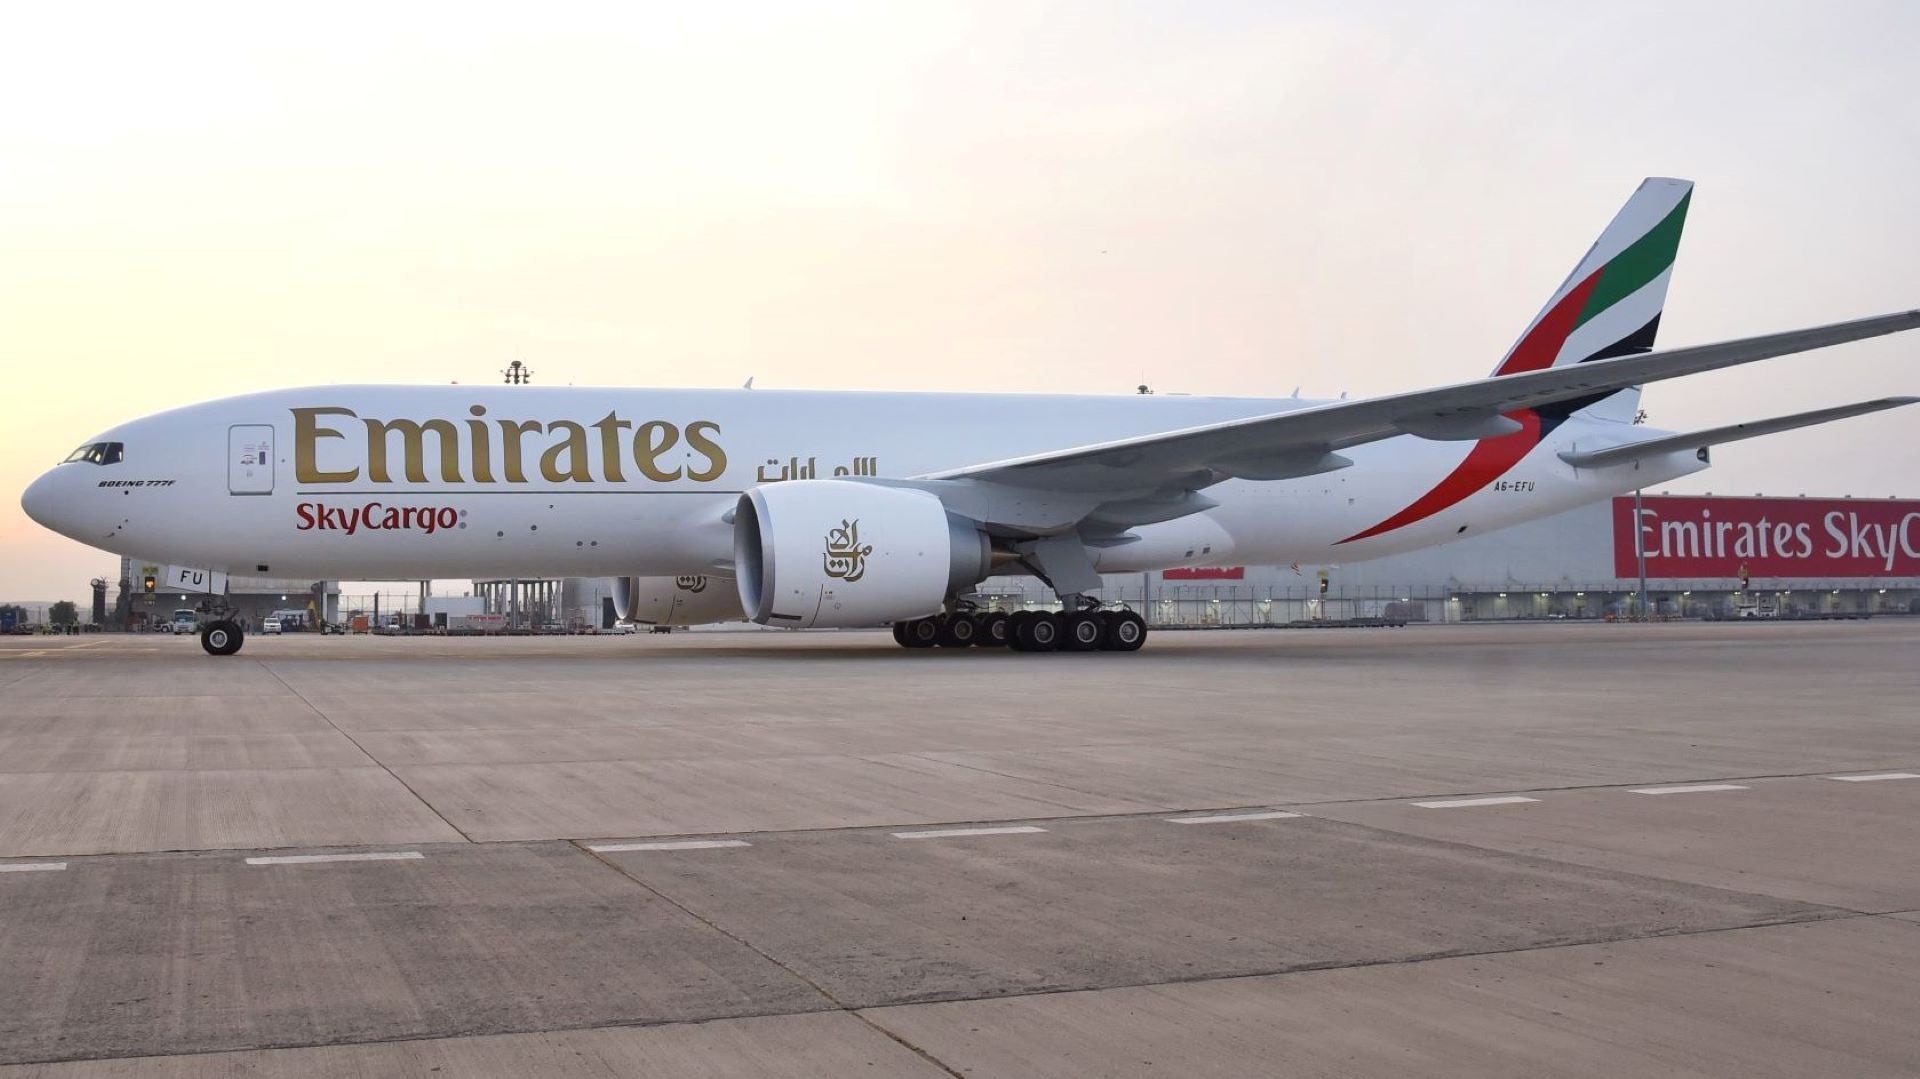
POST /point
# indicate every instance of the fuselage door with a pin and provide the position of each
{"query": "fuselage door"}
(250, 459)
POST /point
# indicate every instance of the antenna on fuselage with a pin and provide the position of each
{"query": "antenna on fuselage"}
(518, 374)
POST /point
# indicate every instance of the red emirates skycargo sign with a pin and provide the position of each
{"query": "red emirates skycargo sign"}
(1771, 537)
(1206, 573)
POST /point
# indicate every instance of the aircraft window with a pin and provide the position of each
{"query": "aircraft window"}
(99, 453)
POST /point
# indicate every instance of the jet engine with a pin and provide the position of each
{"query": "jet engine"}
(840, 553)
(676, 601)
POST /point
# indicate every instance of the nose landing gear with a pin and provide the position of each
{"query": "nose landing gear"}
(222, 638)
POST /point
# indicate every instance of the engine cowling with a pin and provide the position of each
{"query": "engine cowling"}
(676, 601)
(837, 553)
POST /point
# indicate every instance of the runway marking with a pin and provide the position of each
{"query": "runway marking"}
(1229, 818)
(942, 833)
(32, 867)
(1461, 803)
(671, 844)
(372, 856)
(1875, 776)
(49, 650)
(1692, 788)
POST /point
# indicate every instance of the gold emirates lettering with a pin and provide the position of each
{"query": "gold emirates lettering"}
(561, 451)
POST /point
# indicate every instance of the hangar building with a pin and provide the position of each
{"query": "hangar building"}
(1800, 557)
(250, 599)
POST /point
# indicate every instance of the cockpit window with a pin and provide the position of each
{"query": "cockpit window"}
(98, 453)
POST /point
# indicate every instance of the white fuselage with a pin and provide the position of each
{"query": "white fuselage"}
(455, 481)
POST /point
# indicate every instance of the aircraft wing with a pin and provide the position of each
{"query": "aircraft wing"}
(1714, 436)
(1305, 441)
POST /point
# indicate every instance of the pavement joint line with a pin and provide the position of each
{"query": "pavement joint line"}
(860, 1013)
(1221, 811)
(670, 844)
(1225, 811)
(384, 766)
(32, 867)
(947, 833)
(1464, 803)
(901, 1040)
(1229, 818)
(1690, 788)
(792, 971)
(369, 856)
(1818, 915)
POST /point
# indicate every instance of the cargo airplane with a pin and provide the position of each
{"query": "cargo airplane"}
(840, 509)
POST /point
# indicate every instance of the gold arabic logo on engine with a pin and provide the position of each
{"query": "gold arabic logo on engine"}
(846, 559)
(694, 583)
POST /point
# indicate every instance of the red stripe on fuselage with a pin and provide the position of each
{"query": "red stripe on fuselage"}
(1491, 458)
(1488, 461)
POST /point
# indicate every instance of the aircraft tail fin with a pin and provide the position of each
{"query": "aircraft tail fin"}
(1610, 305)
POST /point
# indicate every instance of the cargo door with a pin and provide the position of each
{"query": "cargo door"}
(250, 459)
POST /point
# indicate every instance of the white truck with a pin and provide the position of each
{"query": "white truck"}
(477, 623)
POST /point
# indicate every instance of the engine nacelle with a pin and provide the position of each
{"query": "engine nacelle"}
(676, 601)
(840, 553)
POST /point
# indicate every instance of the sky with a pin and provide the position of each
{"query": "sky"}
(1224, 198)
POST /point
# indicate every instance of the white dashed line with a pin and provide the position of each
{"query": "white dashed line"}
(1229, 818)
(373, 856)
(1694, 788)
(32, 867)
(1875, 776)
(943, 833)
(668, 844)
(1461, 803)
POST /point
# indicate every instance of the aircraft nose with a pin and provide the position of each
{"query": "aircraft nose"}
(41, 501)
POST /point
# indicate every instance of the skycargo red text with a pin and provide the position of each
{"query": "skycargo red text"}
(375, 517)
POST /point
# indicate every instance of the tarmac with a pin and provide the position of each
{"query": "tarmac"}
(1501, 850)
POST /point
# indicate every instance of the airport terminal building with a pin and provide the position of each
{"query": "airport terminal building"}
(1799, 557)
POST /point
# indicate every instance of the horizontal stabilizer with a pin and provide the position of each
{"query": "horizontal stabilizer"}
(1693, 440)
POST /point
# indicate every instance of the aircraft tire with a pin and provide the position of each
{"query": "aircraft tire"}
(994, 631)
(958, 631)
(222, 638)
(1014, 621)
(1082, 631)
(1038, 632)
(921, 633)
(900, 634)
(1126, 631)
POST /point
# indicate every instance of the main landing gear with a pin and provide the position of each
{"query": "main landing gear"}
(1027, 631)
(222, 638)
